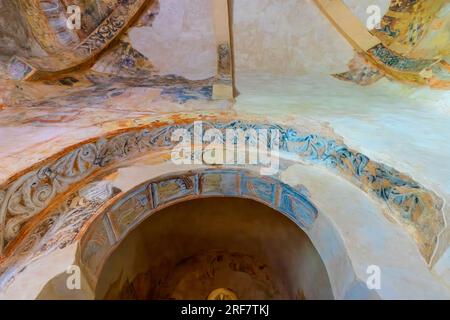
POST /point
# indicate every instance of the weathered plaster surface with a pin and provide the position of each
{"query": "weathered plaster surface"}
(416, 208)
(175, 250)
(350, 233)
(181, 39)
(360, 8)
(435, 43)
(402, 126)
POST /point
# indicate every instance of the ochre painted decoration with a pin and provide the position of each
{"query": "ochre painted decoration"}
(47, 21)
(63, 225)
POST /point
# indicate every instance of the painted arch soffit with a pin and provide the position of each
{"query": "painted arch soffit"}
(26, 199)
(68, 49)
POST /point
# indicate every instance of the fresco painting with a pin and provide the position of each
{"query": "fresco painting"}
(355, 114)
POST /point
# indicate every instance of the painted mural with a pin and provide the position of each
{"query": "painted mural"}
(407, 23)
(403, 29)
(391, 47)
(205, 266)
(15, 33)
(62, 225)
(361, 72)
(416, 207)
(78, 107)
(70, 54)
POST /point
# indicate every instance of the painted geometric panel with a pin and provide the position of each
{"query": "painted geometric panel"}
(398, 62)
(297, 206)
(405, 196)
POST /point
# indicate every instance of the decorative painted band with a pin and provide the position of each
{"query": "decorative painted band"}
(47, 21)
(416, 208)
(114, 223)
(98, 40)
(73, 218)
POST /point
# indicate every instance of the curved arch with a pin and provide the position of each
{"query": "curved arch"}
(392, 51)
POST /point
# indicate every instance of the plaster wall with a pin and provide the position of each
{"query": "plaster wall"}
(275, 36)
(368, 235)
